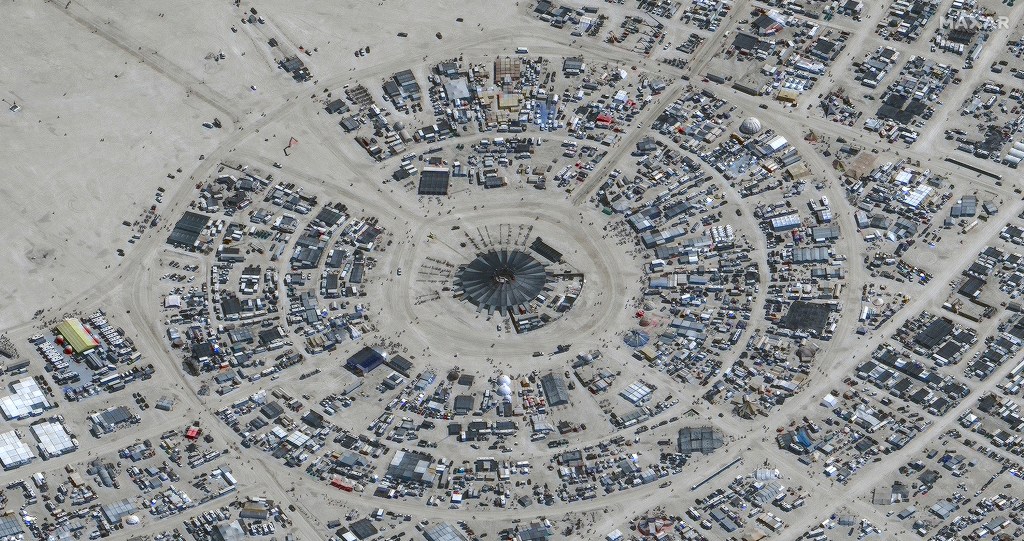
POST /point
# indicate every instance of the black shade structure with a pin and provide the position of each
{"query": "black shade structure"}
(501, 280)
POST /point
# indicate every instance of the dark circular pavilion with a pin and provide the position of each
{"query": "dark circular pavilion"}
(501, 279)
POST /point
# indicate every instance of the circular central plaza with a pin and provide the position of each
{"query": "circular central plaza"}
(484, 284)
(500, 280)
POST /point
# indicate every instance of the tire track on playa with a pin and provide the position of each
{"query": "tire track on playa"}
(117, 37)
(176, 202)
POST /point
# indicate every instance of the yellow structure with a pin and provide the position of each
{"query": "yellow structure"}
(788, 95)
(509, 101)
(505, 66)
(76, 336)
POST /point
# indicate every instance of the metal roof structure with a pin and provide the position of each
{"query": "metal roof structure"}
(943, 509)
(407, 81)
(349, 123)
(10, 526)
(501, 280)
(966, 206)
(165, 403)
(915, 197)
(228, 531)
(537, 531)
(934, 332)
(409, 466)
(768, 493)
(555, 390)
(457, 89)
(14, 453)
(546, 251)
(363, 528)
(825, 233)
(108, 420)
(337, 106)
(115, 511)
(463, 404)
(187, 230)
(443, 532)
(28, 399)
(53, 438)
(786, 222)
(636, 393)
(434, 181)
(810, 254)
(704, 439)
(366, 360)
(573, 65)
(399, 364)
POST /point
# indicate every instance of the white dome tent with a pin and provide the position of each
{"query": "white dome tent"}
(750, 126)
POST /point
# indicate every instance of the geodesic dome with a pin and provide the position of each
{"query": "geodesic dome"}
(750, 126)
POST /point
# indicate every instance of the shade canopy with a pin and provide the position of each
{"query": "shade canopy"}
(501, 279)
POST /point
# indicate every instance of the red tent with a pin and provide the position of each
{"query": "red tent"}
(339, 483)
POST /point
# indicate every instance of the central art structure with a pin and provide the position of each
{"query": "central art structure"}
(501, 280)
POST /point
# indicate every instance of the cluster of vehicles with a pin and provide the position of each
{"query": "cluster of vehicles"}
(332, 403)
(203, 524)
(177, 277)
(186, 268)
(260, 528)
(439, 101)
(105, 379)
(140, 401)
